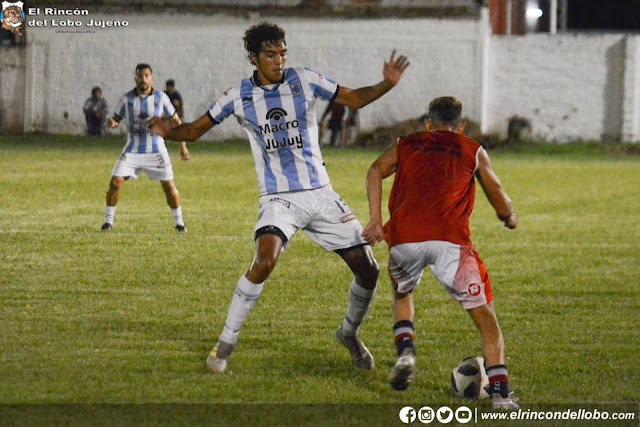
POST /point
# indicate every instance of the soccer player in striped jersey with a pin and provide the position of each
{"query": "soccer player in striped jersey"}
(145, 151)
(430, 204)
(276, 107)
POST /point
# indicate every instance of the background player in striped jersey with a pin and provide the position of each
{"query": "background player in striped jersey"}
(145, 151)
(276, 107)
(430, 204)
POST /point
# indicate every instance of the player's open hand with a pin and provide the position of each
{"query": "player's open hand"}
(159, 126)
(184, 153)
(394, 68)
(373, 232)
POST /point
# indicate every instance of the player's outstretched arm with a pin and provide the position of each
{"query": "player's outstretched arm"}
(184, 132)
(383, 167)
(492, 187)
(391, 73)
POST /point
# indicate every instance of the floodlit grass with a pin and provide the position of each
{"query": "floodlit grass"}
(129, 316)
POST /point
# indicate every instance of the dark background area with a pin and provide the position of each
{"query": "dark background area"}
(604, 15)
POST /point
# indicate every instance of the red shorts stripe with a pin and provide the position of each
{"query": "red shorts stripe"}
(488, 292)
(498, 379)
(401, 337)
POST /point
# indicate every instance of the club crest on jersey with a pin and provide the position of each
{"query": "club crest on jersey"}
(474, 289)
(296, 88)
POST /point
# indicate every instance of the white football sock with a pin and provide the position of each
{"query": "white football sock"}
(177, 215)
(109, 214)
(359, 303)
(244, 298)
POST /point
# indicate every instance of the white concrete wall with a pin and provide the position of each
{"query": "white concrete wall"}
(570, 86)
(207, 57)
(12, 75)
(631, 104)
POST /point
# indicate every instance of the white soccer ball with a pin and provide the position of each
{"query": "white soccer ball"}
(469, 379)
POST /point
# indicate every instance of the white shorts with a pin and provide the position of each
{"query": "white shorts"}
(458, 268)
(157, 166)
(321, 213)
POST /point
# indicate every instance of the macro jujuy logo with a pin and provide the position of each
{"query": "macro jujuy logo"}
(12, 17)
(276, 130)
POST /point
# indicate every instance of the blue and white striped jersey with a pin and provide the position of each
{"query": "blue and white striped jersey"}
(282, 128)
(135, 111)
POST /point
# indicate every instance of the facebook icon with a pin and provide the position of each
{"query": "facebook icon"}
(407, 415)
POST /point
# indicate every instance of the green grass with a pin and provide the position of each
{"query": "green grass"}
(130, 315)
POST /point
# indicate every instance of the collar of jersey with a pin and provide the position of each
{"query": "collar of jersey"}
(135, 90)
(254, 80)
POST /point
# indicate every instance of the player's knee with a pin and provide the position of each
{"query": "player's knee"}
(373, 270)
(368, 273)
(169, 187)
(114, 186)
(262, 268)
(361, 261)
(116, 182)
(401, 295)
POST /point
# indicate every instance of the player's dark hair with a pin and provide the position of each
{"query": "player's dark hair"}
(446, 111)
(95, 89)
(263, 33)
(142, 66)
(171, 83)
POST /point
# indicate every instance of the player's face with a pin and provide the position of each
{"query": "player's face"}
(270, 62)
(144, 80)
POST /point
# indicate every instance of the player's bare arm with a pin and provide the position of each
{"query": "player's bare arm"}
(496, 195)
(184, 152)
(184, 132)
(392, 72)
(382, 168)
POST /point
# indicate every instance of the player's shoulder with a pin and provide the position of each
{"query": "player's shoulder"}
(232, 92)
(313, 76)
(160, 94)
(413, 137)
(468, 141)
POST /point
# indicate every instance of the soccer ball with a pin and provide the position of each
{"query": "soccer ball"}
(469, 379)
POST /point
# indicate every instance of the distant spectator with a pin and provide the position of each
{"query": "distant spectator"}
(341, 119)
(95, 111)
(352, 126)
(174, 96)
(6, 38)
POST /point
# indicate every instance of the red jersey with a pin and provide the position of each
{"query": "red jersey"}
(434, 189)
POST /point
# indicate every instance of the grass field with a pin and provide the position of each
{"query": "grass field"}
(129, 316)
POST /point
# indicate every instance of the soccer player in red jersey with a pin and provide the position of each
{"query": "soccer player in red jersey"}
(430, 204)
